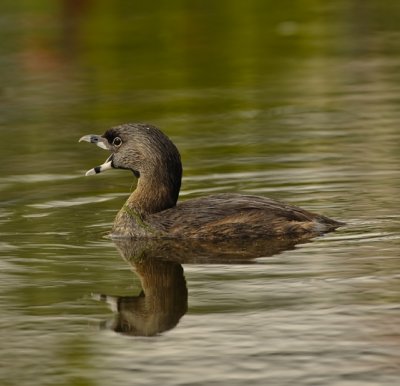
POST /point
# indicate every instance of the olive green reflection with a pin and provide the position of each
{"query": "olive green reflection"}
(160, 304)
(164, 296)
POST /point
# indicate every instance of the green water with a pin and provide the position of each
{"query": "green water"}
(292, 100)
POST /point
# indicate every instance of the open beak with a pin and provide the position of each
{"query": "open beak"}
(100, 142)
(97, 139)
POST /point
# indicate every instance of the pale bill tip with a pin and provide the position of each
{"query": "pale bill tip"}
(85, 138)
(98, 169)
(90, 172)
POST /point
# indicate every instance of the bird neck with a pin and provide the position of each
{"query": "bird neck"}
(154, 194)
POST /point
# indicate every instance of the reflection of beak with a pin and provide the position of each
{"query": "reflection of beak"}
(100, 142)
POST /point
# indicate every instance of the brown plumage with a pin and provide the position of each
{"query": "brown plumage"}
(152, 210)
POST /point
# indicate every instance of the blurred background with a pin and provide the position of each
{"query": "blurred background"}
(204, 69)
(296, 100)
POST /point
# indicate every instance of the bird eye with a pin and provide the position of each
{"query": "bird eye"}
(117, 141)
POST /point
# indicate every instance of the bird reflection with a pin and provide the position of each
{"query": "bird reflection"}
(160, 304)
(164, 296)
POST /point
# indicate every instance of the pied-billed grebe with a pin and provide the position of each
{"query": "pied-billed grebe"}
(152, 209)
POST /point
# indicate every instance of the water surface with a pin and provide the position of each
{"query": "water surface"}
(297, 102)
